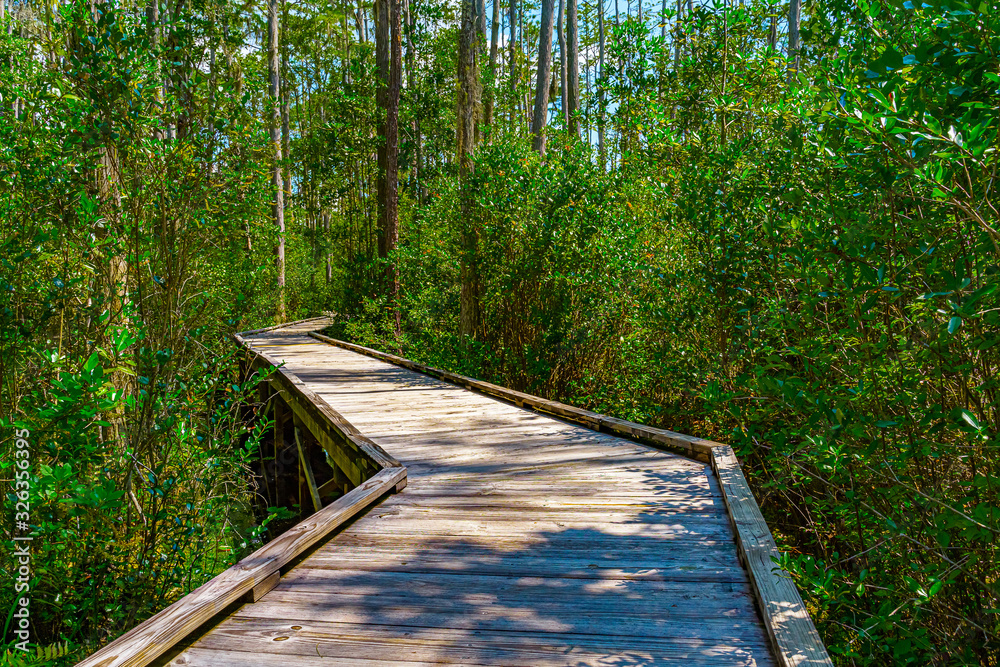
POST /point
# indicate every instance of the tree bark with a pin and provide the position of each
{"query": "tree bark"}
(481, 25)
(601, 149)
(411, 93)
(359, 19)
(540, 117)
(563, 88)
(573, 67)
(468, 93)
(491, 89)
(388, 61)
(772, 35)
(513, 65)
(794, 14)
(285, 135)
(278, 209)
(382, 38)
(392, 159)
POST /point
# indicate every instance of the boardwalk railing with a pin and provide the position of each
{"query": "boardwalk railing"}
(375, 474)
(791, 631)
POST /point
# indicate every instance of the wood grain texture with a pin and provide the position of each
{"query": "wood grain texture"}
(790, 628)
(376, 643)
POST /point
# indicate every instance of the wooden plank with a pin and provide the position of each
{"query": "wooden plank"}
(449, 646)
(731, 618)
(284, 325)
(316, 412)
(199, 657)
(160, 632)
(522, 586)
(547, 567)
(789, 626)
(261, 589)
(447, 612)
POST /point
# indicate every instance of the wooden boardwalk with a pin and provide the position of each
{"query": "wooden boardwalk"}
(519, 540)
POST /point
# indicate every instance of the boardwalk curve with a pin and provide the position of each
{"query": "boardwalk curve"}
(520, 539)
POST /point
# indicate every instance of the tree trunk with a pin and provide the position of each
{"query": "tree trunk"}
(540, 117)
(481, 25)
(388, 63)
(563, 88)
(411, 92)
(513, 65)
(382, 38)
(772, 35)
(276, 184)
(601, 149)
(287, 180)
(573, 67)
(468, 90)
(794, 13)
(391, 232)
(491, 89)
(359, 19)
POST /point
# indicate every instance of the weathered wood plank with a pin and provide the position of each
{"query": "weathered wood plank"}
(258, 591)
(315, 412)
(449, 646)
(524, 589)
(795, 639)
(699, 570)
(448, 612)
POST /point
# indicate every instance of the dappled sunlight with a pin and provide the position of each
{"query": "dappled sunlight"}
(519, 540)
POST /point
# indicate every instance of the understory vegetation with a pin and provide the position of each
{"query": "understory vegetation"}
(792, 247)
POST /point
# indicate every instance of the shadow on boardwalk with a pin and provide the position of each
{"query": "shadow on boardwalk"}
(382, 593)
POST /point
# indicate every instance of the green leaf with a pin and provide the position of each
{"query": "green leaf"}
(91, 363)
(969, 419)
(954, 324)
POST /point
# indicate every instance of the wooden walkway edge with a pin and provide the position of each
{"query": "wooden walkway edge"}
(789, 630)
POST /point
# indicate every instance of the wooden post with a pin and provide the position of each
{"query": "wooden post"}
(307, 472)
(280, 414)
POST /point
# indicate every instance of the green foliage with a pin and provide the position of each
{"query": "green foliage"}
(131, 191)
